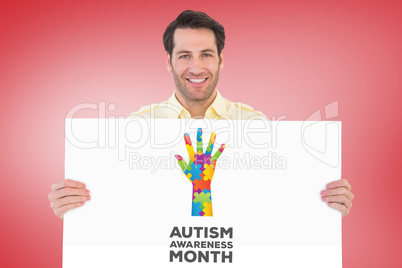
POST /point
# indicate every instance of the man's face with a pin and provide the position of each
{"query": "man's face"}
(195, 64)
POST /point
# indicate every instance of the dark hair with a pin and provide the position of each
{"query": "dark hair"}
(194, 20)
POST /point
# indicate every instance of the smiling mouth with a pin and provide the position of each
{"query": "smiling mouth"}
(196, 81)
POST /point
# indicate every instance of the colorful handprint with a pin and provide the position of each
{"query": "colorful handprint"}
(200, 170)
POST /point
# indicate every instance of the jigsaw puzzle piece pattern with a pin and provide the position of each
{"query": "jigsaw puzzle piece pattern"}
(202, 160)
(208, 172)
(202, 185)
(202, 204)
(210, 146)
(197, 209)
(194, 170)
(189, 146)
(199, 141)
(207, 209)
(202, 197)
(200, 170)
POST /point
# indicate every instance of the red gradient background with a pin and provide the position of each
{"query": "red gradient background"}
(284, 58)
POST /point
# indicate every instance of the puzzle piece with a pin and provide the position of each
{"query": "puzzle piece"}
(202, 197)
(188, 175)
(194, 187)
(199, 141)
(202, 184)
(210, 146)
(205, 191)
(196, 209)
(208, 172)
(203, 160)
(195, 171)
(207, 209)
(200, 205)
(189, 167)
(209, 149)
(199, 135)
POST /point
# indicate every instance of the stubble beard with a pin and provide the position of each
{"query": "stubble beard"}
(192, 100)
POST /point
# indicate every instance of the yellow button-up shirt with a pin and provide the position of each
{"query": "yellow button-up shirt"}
(220, 108)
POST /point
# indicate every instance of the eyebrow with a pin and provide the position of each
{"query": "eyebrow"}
(189, 52)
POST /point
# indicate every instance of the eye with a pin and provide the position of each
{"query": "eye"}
(207, 55)
(183, 56)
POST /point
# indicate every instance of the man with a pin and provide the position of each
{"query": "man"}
(194, 43)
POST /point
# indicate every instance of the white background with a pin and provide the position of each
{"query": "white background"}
(277, 215)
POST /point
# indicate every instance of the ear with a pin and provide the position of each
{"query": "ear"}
(221, 63)
(168, 65)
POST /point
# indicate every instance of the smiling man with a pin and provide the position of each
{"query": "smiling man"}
(195, 64)
(194, 43)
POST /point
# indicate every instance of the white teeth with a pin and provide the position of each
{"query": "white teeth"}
(197, 80)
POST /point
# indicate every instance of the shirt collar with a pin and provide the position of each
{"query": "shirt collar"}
(219, 105)
(175, 109)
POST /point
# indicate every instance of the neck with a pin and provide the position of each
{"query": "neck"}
(197, 109)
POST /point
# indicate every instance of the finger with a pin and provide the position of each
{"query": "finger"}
(67, 183)
(67, 192)
(189, 146)
(339, 183)
(338, 191)
(344, 211)
(182, 163)
(68, 200)
(218, 153)
(210, 144)
(199, 141)
(62, 210)
(342, 199)
(213, 164)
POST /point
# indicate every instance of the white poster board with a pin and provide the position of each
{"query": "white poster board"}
(267, 210)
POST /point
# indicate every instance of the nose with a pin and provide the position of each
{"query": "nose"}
(196, 66)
